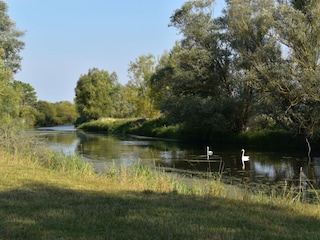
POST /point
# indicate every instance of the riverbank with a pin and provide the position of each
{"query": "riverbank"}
(156, 128)
(62, 199)
(159, 129)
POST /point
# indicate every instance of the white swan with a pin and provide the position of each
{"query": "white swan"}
(209, 153)
(244, 158)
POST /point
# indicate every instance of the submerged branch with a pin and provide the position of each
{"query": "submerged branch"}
(309, 150)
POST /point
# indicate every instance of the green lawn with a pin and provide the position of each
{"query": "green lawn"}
(39, 203)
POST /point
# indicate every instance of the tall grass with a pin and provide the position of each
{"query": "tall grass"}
(66, 163)
(18, 145)
(111, 125)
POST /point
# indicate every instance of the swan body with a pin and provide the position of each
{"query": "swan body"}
(244, 158)
(209, 152)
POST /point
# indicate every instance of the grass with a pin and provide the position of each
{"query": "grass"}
(111, 125)
(49, 202)
(152, 128)
(46, 195)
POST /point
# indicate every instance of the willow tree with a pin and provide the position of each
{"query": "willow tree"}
(276, 57)
(297, 29)
(277, 50)
(195, 81)
(295, 80)
(247, 25)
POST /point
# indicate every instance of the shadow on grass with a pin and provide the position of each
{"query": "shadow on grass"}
(37, 211)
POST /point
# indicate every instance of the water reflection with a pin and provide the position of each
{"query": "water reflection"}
(103, 150)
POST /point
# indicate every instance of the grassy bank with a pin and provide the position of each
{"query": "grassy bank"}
(151, 128)
(59, 197)
(159, 128)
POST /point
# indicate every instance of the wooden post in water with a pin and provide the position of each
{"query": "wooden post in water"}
(300, 180)
(209, 153)
(303, 185)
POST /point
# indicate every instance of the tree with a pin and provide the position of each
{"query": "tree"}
(46, 114)
(66, 113)
(94, 94)
(296, 29)
(10, 47)
(10, 44)
(160, 80)
(53, 114)
(138, 87)
(195, 80)
(121, 107)
(9, 98)
(247, 26)
(276, 57)
(27, 101)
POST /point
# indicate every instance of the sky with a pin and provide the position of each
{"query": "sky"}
(65, 38)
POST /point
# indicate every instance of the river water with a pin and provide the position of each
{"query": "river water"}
(102, 150)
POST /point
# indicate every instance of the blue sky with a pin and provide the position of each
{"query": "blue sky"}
(65, 38)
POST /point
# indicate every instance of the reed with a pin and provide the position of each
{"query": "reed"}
(66, 163)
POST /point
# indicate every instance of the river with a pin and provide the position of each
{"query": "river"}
(102, 150)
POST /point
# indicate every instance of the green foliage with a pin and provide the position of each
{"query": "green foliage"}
(9, 100)
(46, 114)
(138, 89)
(66, 113)
(158, 127)
(11, 95)
(165, 131)
(121, 107)
(52, 114)
(154, 128)
(27, 102)
(10, 45)
(97, 126)
(160, 80)
(203, 115)
(111, 125)
(94, 93)
(272, 139)
(259, 61)
(297, 30)
(193, 80)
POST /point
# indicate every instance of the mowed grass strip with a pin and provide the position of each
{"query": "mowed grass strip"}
(39, 203)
